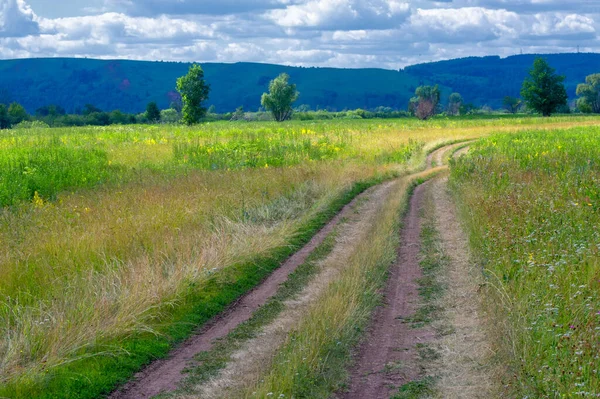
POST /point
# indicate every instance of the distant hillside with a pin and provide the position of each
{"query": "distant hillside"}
(130, 85)
(487, 80)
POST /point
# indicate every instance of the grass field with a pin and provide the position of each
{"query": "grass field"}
(532, 201)
(121, 239)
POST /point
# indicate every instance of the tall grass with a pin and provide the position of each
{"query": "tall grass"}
(121, 231)
(532, 201)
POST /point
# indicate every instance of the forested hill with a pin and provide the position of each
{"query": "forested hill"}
(130, 85)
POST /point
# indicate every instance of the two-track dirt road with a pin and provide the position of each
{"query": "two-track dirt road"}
(390, 341)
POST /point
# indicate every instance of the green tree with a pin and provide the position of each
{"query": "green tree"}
(512, 104)
(170, 116)
(589, 94)
(152, 112)
(194, 91)
(239, 114)
(90, 109)
(454, 103)
(280, 98)
(543, 90)
(17, 114)
(4, 119)
(425, 103)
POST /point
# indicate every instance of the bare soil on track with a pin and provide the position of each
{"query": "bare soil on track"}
(388, 357)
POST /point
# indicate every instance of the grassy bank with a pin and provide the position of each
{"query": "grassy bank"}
(115, 360)
(532, 204)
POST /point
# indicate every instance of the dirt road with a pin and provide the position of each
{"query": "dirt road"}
(165, 375)
(457, 349)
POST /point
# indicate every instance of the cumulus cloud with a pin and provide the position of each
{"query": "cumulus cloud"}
(466, 25)
(186, 7)
(339, 33)
(17, 19)
(564, 26)
(342, 14)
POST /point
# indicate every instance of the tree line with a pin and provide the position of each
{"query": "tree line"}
(542, 92)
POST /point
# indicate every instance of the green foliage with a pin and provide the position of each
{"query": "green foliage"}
(238, 115)
(424, 104)
(31, 125)
(4, 119)
(75, 82)
(532, 201)
(48, 168)
(543, 91)
(589, 94)
(454, 103)
(17, 114)
(193, 91)
(284, 148)
(50, 110)
(89, 109)
(419, 389)
(511, 104)
(152, 112)
(280, 98)
(170, 116)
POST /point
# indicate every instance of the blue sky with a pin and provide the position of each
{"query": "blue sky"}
(339, 33)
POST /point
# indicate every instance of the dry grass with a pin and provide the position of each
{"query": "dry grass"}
(466, 368)
(250, 362)
(98, 264)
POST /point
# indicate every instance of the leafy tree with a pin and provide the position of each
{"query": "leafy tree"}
(466, 109)
(4, 119)
(424, 104)
(117, 117)
(511, 104)
(239, 114)
(454, 103)
(280, 98)
(50, 110)
(90, 109)
(98, 119)
(17, 113)
(193, 92)
(152, 112)
(589, 94)
(543, 91)
(170, 116)
(212, 109)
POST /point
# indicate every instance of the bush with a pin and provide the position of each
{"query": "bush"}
(31, 125)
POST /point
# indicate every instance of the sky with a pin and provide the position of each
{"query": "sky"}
(325, 33)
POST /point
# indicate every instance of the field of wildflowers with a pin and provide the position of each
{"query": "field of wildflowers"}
(119, 240)
(532, 201)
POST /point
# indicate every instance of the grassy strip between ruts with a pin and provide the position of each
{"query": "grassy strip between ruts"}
(314, 359)
(114, 362)
(432, 260)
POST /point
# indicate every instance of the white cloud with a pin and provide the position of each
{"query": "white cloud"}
(17, 19)
(563, 25)
(466, 25)
(341, 33)
(342, 14)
